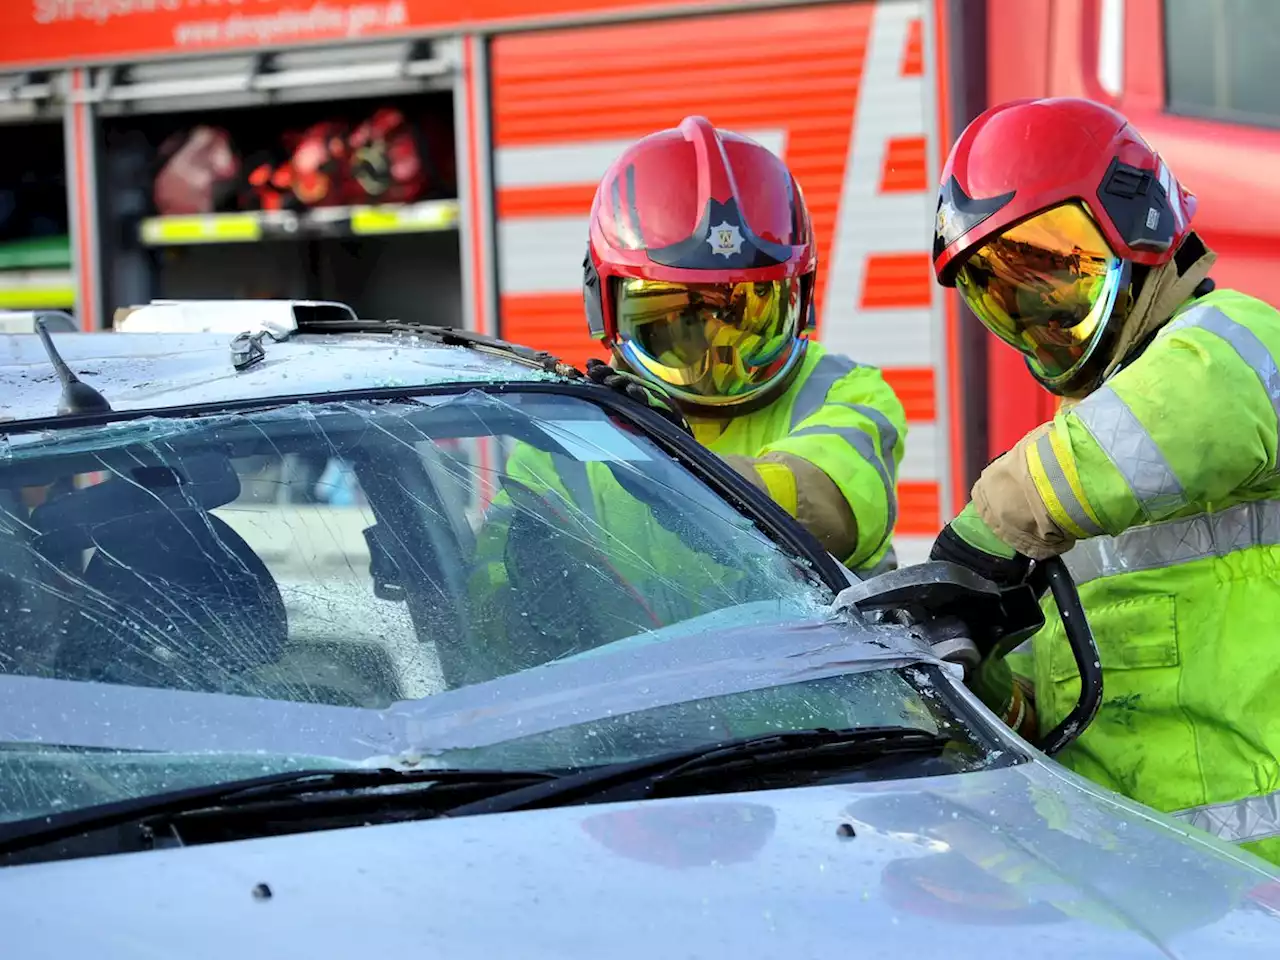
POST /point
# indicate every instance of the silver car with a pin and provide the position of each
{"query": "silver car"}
(327, 638)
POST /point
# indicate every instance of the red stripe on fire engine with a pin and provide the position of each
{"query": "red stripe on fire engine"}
(567, 200)
(553, 322)
(913, 52)
(915, 388)
(86, 304)
(484, 323)
(919, 508)
(905, 169)
(897, 280)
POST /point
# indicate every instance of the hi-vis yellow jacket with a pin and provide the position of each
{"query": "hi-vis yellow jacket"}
(1168, 477)
(843, 419)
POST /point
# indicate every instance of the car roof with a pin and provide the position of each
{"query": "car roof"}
(321, 348)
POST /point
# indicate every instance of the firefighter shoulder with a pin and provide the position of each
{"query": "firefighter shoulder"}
(827, 451)
(1158, 480)
(717, 318)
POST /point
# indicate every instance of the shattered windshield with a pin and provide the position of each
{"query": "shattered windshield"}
(243, 585)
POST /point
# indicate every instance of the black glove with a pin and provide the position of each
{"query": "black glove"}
(638, 389)
(1001, 571)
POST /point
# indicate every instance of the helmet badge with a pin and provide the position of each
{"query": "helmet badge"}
(725, 239)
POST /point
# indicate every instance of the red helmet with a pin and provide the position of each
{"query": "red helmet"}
(1044, 209)
(700, 267)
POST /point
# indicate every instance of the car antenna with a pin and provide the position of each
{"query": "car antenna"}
(77, 396)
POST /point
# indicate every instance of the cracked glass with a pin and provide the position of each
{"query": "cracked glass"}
(193, 600)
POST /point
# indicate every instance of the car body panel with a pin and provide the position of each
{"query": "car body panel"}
(1048, 870)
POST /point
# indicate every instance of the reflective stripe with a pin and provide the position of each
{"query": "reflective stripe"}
(887, 432)
(862, 442)
(1243, 340)
(1238, 821)
(813, 393)
(813, 397)
(780, 483)
(1174, 542)
(1132, 450)
(1072, 505)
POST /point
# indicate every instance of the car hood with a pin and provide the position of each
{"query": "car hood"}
(988, 865)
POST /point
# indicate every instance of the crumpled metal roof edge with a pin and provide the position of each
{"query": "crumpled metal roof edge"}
(159, 371)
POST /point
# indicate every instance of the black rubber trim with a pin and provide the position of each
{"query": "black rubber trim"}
(1084, 650)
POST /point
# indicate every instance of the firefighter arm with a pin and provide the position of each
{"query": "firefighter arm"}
(1001, 683)
(836, 471)
(533, 469)
(1187, 423)
(499, 612)
(807, 494)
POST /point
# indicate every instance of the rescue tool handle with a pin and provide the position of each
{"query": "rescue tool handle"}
(1053, 573)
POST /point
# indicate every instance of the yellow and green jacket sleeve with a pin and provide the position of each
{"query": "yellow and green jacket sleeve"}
(1191, 422)
(852, 428)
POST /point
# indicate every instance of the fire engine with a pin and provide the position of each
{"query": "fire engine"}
(525, 103)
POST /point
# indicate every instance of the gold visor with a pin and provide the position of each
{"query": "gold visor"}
(713, 343)
(1046, 286)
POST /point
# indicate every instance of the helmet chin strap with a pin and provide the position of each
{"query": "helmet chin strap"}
(1164, 289)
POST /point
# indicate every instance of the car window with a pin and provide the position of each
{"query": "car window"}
(1222, 58)
(361, 556)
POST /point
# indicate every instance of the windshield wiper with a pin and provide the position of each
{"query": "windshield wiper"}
(236, 794)
(798, 754)
(304, 799)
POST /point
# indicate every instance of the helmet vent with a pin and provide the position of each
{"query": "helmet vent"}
(1138, 207)
(1126, 181)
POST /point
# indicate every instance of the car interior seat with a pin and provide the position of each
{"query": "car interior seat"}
(171, 595)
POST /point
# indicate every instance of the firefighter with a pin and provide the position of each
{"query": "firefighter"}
(1071, 240)
(700, 275)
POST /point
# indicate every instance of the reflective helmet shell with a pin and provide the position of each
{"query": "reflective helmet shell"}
(696, 205)
(1020, 160)
(1022, 157)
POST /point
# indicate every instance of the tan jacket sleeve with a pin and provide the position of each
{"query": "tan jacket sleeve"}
(1008, 502)
(806, 493)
